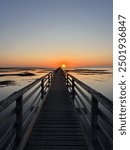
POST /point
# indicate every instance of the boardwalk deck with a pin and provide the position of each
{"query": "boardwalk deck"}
(57, 126)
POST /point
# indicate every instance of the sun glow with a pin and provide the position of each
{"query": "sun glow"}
(63, 66)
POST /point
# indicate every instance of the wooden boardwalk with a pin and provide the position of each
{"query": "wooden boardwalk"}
(57, 126)
(43, 116)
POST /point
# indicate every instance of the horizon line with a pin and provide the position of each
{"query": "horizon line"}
(5, 67)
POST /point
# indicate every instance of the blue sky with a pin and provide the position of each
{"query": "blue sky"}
(50, 32)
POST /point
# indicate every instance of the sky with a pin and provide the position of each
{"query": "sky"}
(48, 33)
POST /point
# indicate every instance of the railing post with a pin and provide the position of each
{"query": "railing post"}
(67, 80)
(94, 116)
(73, 89)
(19, 119)
(48, 80)
(51, 76)
(42, 88)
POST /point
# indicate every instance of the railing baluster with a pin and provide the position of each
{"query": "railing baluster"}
(19, 119)
(20, 101)
(94, 115)
(48, 80)
(97, 98)
(67, 79)
(42, 88)
(73, 89)
(51, 76)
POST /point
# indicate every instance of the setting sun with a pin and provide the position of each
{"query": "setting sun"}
(63, 66)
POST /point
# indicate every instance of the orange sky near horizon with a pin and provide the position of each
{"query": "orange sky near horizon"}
(71, 61)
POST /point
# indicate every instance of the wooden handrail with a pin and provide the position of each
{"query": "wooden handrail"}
(104, 100)
(27, 102)
(78, 91)
(10, 99)
(18, 100)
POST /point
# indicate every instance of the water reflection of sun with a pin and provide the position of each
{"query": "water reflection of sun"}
(63, 66)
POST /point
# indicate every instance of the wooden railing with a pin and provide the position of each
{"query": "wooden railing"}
(19, 111)
(95, 111)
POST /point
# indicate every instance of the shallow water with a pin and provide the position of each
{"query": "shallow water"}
(100, 81)
(98, 78)
(19, 81)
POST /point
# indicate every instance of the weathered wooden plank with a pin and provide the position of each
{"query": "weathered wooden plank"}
(57, 129)
(64, 147)
(35, 133)
(57, 125)
(57, 142)
(61, 137)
